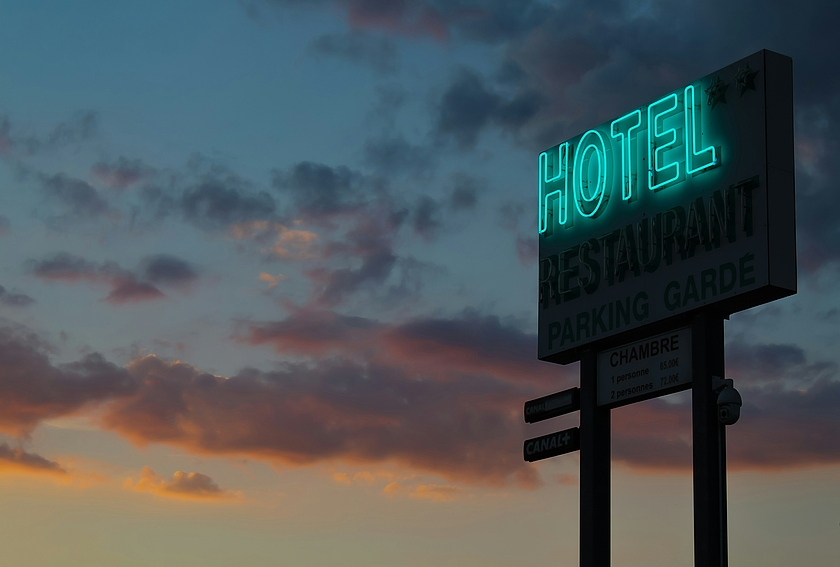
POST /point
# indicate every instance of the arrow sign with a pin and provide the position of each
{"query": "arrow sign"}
(551, 445)
(547, 407)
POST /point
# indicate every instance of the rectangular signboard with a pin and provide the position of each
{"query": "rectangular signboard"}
(553, 405)
(683, 203)
(551, 445)
(645, 369)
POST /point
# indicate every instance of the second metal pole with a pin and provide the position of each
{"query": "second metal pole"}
(709, 436)
(594, 469)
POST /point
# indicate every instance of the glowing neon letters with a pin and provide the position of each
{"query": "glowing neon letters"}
(557, 169)
(707, 157)
(662, 172)
(589, 200)
(673, 149)
(623, 129)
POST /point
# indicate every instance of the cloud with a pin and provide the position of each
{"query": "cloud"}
(395, 156)
(80, 199)
(429, 492)
(292, 244)
(652, 435)
(527, 250)
(470, 343)
(126, 286)
(319, 192)
(455, 413)
(565, 67)
(509, 215)
(122, 172)
(566, 479)
(816, 144)
(271, 280)
(32, 389)
(67, 267)
(277, 240)
(14, 299)
(469, 105)
(477, 20)
(214, 204)
(757, 364)
(19, 461)
(389, 100)
(84, 125)
(424, 218)
(6, 143)
(410, 18)
(166, 269)
(131, 291)
(80, 127)
(787, 420)
(360, 219)
(333, 286)
(332, 409)
(785, 428)
(779, 429)
(363, 478)
(369, 242)
(5, 226)
(182, 486)
(437, 492)
(311, 331)
(466, 108)
(464, 196)
(327, 411)
(379, 53)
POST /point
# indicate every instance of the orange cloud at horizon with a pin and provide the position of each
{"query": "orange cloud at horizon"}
(371, 410)
(18, 461)
(182, 486)
(428, 492)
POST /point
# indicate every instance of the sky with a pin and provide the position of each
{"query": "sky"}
(268, 285)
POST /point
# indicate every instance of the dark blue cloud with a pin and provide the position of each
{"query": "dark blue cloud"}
(377, 52)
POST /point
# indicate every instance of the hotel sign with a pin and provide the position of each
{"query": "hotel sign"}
(683, 203)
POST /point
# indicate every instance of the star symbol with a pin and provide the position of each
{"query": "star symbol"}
(716, 92)
(745, 79)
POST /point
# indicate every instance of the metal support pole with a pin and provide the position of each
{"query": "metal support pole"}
(594, 469)
(710, 542)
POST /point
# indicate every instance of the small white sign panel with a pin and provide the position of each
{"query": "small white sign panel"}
(656, 364)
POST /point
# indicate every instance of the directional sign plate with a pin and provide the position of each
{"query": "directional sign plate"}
(645, 369)
(552, 445)
(554, 405)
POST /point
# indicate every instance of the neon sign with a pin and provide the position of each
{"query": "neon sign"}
(678, 205)
(673, 132)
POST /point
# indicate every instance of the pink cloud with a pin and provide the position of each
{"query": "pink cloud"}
(127, 286)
